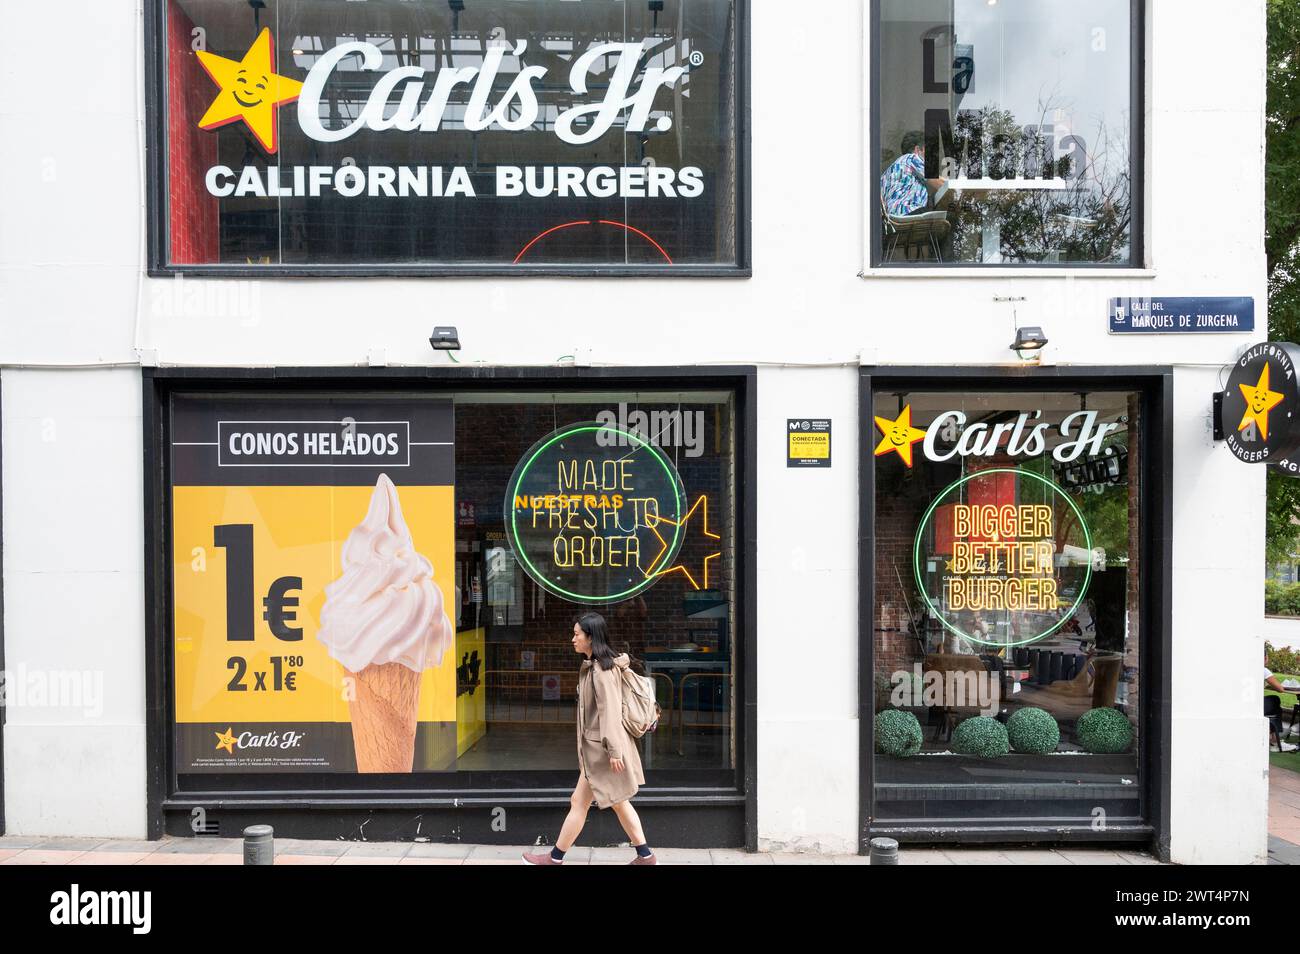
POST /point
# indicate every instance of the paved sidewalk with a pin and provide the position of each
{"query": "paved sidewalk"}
(17, 850)
(1283, 817)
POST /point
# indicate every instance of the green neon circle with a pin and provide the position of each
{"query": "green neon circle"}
(916, 554)
(520, 471)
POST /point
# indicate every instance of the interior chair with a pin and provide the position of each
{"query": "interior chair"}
(920, 231)
(954, 708)
(1273, 712)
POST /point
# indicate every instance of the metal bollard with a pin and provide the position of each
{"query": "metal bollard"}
(884, 851)
(259, 845)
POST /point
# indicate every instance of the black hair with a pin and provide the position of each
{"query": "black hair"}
(912, 140)
(594, 625)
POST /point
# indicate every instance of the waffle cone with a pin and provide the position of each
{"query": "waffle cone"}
(384, 717)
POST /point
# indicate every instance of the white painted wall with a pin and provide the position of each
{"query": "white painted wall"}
(72, 292)
(1282, 631)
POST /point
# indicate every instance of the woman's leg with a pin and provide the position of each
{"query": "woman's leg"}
(627, 817)
(579, 803)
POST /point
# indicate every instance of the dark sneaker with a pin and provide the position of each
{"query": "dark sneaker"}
(542, 859)
(647, 860)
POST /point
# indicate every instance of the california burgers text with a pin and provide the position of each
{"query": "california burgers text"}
(435, 182)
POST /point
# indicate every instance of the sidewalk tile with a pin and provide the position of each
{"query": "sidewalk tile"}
(378, 849)
(732, 856)
(20, 841)
(299, 846)
(976, 856)
(922, 856)
(174, 858)
(800, 858)
(502, 852)
(1282, 851)
(408, 860)
(679, 856)
(131, 845)
(202, 846)
(351, 859)
(69, 844)
(107, 858)
(1030, 856)
(1084, 856)
(435, 850)
(305, 859)
(38, 856)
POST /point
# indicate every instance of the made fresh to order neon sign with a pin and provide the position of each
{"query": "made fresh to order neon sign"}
(589, 518)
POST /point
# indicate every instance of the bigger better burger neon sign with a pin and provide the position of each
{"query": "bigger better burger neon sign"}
(1008, 572)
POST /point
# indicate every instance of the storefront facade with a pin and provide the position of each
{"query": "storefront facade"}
(679, 251)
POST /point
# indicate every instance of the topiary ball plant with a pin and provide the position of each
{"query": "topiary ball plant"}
(1104, 731)
(980, 736)
(1033, 730)
(898, 733)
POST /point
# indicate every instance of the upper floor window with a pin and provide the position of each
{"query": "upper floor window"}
(1006, 132)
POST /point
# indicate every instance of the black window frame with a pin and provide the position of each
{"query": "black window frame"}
(1137, 165)
(156, 192)
(695, 812)
(1155, 514)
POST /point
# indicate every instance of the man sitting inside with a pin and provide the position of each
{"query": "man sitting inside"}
(903, 185)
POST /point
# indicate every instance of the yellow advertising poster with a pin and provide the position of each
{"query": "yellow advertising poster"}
(471, 700)
(313, 551)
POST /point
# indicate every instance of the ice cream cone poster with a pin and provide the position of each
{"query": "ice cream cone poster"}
(313, 554)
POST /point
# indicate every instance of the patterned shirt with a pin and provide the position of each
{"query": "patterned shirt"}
(903, 185)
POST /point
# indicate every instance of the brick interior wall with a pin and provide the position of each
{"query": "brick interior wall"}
(193, 212)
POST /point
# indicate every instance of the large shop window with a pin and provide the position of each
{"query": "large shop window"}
(384, 586)
(1008, 574)
(1006, 133)
(426, 136)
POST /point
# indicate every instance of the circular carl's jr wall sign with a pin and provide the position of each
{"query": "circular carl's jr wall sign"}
(1003, 557)
(594, 513)
(1260, 415)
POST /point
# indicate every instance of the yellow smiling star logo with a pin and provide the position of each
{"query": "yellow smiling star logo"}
(899, 436)
(1260, 399)
(251, 90)
(225, 740)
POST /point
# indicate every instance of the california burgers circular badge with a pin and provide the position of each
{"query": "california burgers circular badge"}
(1260, 413)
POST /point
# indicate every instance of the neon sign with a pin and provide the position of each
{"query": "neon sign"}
(998, 571)
(594, 520)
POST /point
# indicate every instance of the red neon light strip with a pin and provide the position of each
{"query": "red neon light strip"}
(623, 225)
(569, 225)
(538, 238)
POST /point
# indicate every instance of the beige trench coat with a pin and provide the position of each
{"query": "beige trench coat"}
(601, 735)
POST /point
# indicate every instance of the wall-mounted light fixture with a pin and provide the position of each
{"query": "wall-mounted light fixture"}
(1029, 341)
(445, 338)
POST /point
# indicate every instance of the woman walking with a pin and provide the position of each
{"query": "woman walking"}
(607, 754)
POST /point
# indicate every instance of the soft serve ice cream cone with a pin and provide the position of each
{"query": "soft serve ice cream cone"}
(383, 619)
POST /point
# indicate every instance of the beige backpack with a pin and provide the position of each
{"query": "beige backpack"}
(640, 710)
